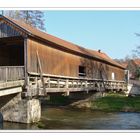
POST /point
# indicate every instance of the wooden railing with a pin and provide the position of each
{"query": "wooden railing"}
(11, 73)
(66, 84)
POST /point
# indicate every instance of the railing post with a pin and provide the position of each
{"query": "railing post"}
(58, 83)
(6, 74)
(86, 85)
(67, 87)
(49, 84)
(67, 83)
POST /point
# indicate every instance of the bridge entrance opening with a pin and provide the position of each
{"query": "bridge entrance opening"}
(11, 59)
(11, 51)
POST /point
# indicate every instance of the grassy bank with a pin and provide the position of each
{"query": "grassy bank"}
(116, 102)
(112, 102)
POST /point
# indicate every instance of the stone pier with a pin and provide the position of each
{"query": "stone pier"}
(16, 109)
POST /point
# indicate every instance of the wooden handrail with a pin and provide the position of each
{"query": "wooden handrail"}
(73, 78)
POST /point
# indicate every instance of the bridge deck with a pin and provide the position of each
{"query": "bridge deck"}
(12, 80)
(11, 87)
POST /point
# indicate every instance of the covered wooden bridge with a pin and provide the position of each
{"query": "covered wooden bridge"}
(36, 63)
(48, 64)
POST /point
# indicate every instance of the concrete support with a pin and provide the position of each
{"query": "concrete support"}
(15, 109)
(133, 90)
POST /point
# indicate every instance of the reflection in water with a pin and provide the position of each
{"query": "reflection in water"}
(61, 118)
(1, 121)
(18, 126)
(1, 125)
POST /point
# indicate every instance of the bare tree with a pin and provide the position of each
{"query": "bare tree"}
(34, 18)
(136, 51)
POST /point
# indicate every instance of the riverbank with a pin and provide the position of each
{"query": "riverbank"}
(112, 102)
(97, 111)
(61, 118)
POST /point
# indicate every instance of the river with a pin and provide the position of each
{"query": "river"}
(63, 119)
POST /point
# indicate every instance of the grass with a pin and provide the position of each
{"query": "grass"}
(117, 102)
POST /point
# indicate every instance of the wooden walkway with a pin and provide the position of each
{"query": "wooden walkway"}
(12, 80)
(65, 85)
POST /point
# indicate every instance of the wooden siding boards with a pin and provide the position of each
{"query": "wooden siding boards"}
(58, 62)
(7, 30)
(53, 61)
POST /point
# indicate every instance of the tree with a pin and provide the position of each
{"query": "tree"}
(137, 73)
(136, 51)
(34, 18)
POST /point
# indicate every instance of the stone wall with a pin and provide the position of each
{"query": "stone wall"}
(15, 109)
(133, 89)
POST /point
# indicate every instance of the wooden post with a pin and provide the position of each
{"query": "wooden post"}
(86, 86)
(49, 85)
(58, 83)
(26, 64)
(41, 73)
(6, 74)
(81, 84)
(77, 86)
(72, 83)
(67, 88)
(67, 83)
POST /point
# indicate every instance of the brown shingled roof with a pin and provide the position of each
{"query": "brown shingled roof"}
(43, 35)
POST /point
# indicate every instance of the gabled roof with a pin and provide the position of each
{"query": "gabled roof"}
(31, 31)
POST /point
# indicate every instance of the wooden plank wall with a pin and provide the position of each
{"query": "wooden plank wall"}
(7, 30)
(58, 62)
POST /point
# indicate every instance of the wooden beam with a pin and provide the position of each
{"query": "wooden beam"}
(10, 91)
(11, 84)
(41, 73)
(26, 62)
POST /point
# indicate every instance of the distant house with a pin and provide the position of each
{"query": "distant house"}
(132, 65)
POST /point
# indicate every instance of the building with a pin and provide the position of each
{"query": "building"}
(133, 65)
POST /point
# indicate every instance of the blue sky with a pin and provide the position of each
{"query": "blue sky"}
(111, 31)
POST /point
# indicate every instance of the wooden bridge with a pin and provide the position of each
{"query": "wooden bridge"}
(34, 63)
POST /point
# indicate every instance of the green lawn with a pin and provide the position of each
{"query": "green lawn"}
(117, 102)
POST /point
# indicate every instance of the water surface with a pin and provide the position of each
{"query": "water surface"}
(64, 119)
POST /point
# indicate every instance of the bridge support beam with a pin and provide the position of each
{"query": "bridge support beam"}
(15, 109)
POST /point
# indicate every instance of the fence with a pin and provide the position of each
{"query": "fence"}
(11, 73)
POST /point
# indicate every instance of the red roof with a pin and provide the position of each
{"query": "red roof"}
(137, 61)
(70, 46)
(124, 64)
